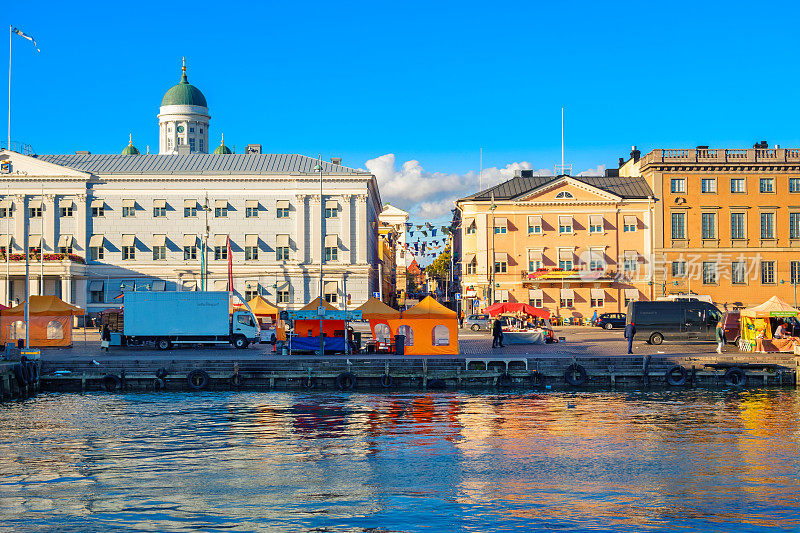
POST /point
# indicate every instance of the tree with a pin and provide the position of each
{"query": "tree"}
(440, 268)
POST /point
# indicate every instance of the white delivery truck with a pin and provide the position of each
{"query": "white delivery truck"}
(186, 317)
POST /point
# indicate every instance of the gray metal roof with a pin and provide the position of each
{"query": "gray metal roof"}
(631, 188)
(105, 164)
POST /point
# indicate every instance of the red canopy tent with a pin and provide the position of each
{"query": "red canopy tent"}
(516, 307)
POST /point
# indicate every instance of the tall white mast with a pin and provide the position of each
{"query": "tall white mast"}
(562, 139)
(480, 176)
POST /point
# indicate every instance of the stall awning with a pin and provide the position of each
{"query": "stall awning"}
(596, 220)
(221, 203)
(251, 203)
(159, 240)
(7, 203)
(535, 294)
(564, 254)
(282, 204)
(632, 294)
(500, 222)
(159, 203)
(500, 257)
(189, 240)
(598, 294)
(63, 202)
(564, 220)
(567, 293)
(535, 220)
(190, 203)
(331, 287)
(96, 241)
(64, 241)
(251, 240)
(159, 285)
(221, 284)
(95, 286)
(629, 220)
(282, 240)
(128, 240)
(98, 203)
(331, 241)
(5, 240)
(129, 203)
(35, 241)
(221, 239)
(331, 204)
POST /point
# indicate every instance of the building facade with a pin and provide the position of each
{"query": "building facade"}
(728, 221)
(387, 264)
(397, 219)
(571, 245)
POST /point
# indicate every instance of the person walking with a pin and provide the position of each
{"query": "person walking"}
(497, 334)
(630, 332)
(594, 317)
(105, 338)
(720, 337)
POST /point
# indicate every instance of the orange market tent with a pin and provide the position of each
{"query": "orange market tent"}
(51, 322)
(429, 329)
(378, 314)
(261, 307)
(310, 328)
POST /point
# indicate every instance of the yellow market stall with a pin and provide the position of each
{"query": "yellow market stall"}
(51, 322)
(758, 325)
(429, 329)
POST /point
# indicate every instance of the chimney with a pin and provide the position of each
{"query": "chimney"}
(82, 152)
(253, 149)
(621, 161)
(517, 173)
(635, 154)
(336, 160)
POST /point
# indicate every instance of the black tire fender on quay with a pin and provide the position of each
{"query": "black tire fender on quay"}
(437, 384)
(111, 382)
(19, 375)
(536, 377)
(34, 371)
(236, 379)
(345, 381)
(680, 379)
(735, 377)
(309, 382)
(197, 379)
(158, 384)
(504, 379)
(570, 375)
(161, 373)
(386, 381)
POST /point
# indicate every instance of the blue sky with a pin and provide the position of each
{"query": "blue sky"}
(430, 82)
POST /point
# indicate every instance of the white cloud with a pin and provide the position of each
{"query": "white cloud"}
(431, 195)
(600, 170)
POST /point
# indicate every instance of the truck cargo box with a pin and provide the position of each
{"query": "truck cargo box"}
(156, 313)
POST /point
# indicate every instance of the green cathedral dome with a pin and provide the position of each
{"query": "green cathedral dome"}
(222, 149)
(130, 149)
(184, 93)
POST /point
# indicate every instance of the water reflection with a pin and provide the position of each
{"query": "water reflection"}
(694, 460)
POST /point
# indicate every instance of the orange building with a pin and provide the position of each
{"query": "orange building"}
(728, 221)
(572, 245)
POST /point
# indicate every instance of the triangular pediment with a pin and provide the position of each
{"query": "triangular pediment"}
(13, 164)
(567, 190)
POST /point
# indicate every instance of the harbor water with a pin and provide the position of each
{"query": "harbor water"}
(242, 461)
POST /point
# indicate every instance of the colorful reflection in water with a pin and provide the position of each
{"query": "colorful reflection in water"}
(694, 460)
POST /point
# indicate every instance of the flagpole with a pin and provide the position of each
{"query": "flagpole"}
(8, 147)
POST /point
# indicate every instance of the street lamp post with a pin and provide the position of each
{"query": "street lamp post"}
(318, 168)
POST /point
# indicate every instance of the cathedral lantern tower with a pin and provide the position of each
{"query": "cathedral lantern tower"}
(183, 119)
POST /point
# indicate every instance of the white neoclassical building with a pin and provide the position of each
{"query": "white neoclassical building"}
(108, 223)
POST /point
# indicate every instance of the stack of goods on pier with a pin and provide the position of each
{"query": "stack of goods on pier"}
(428, 328)
(522, 323)
(770, 327)
(50, 322)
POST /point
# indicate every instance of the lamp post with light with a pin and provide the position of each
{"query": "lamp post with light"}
(318, 168)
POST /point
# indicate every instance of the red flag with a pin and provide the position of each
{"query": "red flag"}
(230, 265)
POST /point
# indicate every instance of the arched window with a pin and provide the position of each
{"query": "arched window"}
(441, 336)
(382, 332)
(17, 330)
(564, 194)
(55, 330)
(409, 335)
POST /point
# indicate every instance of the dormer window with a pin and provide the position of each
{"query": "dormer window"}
(563, 195)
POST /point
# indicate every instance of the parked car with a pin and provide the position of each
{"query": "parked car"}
(731, 326)
(478, 322)
(610, 321)
(691, 320)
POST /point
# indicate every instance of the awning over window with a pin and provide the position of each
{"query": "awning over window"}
(283, 285)
(567, 293)
(251, 240)
(159, 240)
(190, 203)
(96, 241)
(535, 294)
(221, 284)
(564, 254)
(128, 240)
(251, 203)
(98, 203)
(129, 203)
(596, 220)
(159, 203)
(35, 241)
(468, 222)
(598, 294)
(159, 285)
(64, 241)
(221, 203)
(469, 258)
(535, 220)
(7, 203)
(500, 222)
(331, 204)
(282, 204)
(282, 240)
(189, 240)
(629, 220)
(500, 257)
(96, 286)
(189, 285)
(632, 294)
(35, 204)
(63, 202)
(5, 240)
(331, 287)
(631, 255)
(534, 255)
(331, 241)
(564, 220)
(221, 239)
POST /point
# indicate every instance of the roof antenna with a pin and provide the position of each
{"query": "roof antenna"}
(562, 136)
(480, 178)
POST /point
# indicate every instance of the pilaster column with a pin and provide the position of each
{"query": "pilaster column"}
(49, 223)
(346, 236)
(300, 231)
(363, 229)
(81, 292)
(66, 289)
(81, 237)
(20, 217)
(315, 218)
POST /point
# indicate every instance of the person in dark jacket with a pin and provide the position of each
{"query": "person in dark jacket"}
(630, 332)
(720, 334)
(105, 337)
(497, 334)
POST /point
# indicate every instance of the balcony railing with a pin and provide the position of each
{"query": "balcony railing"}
(719, 155)
(47, 258)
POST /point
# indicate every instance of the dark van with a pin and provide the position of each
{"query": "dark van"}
(690, 320)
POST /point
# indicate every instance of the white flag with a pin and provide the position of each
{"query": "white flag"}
(26, 36)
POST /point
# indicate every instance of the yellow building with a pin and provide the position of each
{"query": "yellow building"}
(571, 245)
(387, 240)
(728, 219)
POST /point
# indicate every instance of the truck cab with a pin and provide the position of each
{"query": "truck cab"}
(244, 329)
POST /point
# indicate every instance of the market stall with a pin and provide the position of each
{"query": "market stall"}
(526, 324)
(758, 326)
(310, 328)
(429, 328)
(50, 322)
(379, 314)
